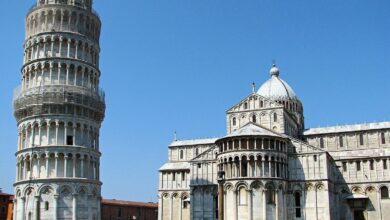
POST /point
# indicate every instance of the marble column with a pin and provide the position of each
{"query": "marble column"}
(74, 205)
(264, 205)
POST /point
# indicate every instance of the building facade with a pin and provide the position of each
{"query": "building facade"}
(269, 167)
(6, 203)
(113, 209)
(59, 109)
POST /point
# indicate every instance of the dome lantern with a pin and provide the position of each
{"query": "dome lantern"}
(274, 71)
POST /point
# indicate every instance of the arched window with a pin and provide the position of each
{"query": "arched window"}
(384, 192)
(181, 154)
(322, 142)
(254, 118)
(361, 139)
(383, 140)
(245, 105)
(261, 104)
(46, 206)
(297, 198)
(275, 117)
(341, 142)
(234, 121)
(358, 167)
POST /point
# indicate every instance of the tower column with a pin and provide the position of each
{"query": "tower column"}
(22, 213)
(249, 204)
(55, 207)
(36, 208)
(74, 212)
(264, 205)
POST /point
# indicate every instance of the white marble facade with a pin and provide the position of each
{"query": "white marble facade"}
(59, 109)
(275, 169)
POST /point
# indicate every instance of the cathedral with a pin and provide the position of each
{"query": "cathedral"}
(270, 167)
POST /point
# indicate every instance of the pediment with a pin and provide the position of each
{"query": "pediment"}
(252, 98)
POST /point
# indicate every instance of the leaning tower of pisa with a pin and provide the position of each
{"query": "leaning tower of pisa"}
(59, 108)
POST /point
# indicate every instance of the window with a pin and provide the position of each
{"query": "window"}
(383, 140)
(322, 142)
(199, 165)
(344, 166)
(3, 209)
(119, 212)
(183, 176)
(341, 142)
(384, 192)
(245, 105)
(234, 121)
(185, 203)
(297, 198)
(254, 118)
(69, 140)
(181, 154)
(46, 206)
(174, 176)
(315, 158)
(361, 139)
(384, 164)
(275, 117)
(261, 104)
(371, 165)
(270, 196)
(196, 151)
(358, 165)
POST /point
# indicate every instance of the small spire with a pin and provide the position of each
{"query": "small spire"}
(174, 136)
(253, 87)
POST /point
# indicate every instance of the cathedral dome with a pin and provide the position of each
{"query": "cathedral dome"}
(275, 88)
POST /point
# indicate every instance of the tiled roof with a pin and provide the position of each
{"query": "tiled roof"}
(5, 194)
(193, 142)
(129, 203)
(176, 166)
(348, 128)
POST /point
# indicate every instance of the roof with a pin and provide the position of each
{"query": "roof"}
(5, 194)
(348, 128)
(252, 129)
(276, 88)
(129, 203)
(176, 166)
(357, 196)
(204, 141)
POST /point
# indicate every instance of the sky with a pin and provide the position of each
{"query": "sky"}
(178, 65)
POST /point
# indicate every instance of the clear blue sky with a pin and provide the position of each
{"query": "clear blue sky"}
(177, 65)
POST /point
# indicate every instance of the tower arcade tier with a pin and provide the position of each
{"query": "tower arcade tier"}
(59, 108)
